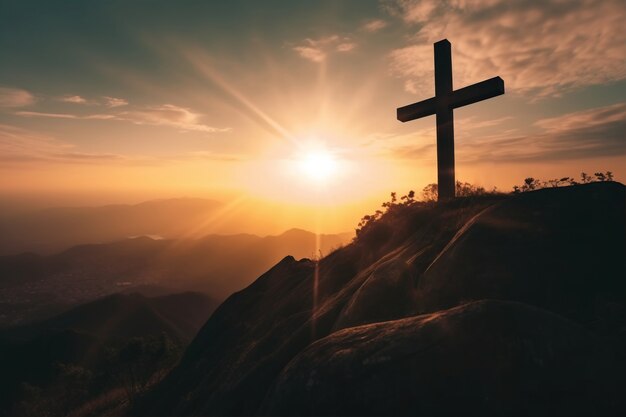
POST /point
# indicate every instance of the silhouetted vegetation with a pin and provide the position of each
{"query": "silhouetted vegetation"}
(463, 189)
(404, 213)
(377, 228)
(370, 226)
(531, 183)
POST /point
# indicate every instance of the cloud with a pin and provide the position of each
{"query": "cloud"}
(73, 99)
(66, 115)
(345, 46)
(586, 119)
(591, 133)
(87, 157)
(16, 140)
(538, 48)
(310, 53)
(169, 115)
(105, 100)
(15, 97)
(24, 145)
(19, 145)
(48, 115)
(114, 102)
(318, 50)
(164, 115)
(374, 25)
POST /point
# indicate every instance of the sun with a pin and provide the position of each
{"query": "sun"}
(318, 165)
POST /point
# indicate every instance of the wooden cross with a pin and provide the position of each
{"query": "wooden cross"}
(445, 101)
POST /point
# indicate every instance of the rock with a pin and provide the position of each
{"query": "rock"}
(561, 249)
(482, 358)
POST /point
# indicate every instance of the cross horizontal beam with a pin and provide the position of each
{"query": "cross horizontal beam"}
(462, 97)
(477, 92)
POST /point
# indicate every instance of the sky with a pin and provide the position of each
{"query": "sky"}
(292, 104)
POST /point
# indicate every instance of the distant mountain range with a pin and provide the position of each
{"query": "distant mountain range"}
(36, 286)
(54, 229)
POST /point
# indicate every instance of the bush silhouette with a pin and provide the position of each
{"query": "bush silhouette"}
(531, 183)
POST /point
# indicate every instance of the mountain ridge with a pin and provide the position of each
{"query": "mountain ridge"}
(521, 251)
(211, 264)
(54, 229)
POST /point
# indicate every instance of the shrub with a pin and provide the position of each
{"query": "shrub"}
(531, 183)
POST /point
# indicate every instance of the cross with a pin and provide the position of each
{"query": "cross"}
(445, 101)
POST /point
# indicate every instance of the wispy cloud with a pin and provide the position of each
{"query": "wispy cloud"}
(374, 25)
(19, 145)
(114, 101)
(65, 115)
(19, 141)
(105, 100)
(586, 119)
(539, 48)
(73, 99)
(310, 53)
(346, 46)
(591, 133)
(171, 116)
(15, 97)
(23, 146)
(165, 115)
(318, 50)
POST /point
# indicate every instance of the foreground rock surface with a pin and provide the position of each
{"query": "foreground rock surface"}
(394, 323)
(487, 357)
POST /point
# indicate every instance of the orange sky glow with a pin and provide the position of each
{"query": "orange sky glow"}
(290, 119)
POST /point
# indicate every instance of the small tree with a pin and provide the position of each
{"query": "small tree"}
(430, 192)
(409, 198)
(531, 183)
(465, 189)
(602, 176)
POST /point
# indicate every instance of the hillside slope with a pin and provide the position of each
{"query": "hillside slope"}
(496, 305)
(86, 334)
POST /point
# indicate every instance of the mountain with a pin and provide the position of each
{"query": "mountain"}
(55, 229)
(492, 305)
(122, 316)
(86, 334)
(35, 286)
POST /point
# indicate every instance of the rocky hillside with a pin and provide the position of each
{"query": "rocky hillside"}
(509, 305)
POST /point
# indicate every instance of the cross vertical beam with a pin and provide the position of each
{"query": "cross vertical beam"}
(445, 120)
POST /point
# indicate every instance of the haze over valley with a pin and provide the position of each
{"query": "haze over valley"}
(152, 247)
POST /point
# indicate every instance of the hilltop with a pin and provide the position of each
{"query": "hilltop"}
(499, 305)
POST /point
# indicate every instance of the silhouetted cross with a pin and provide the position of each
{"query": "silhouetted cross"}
(442, 105)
